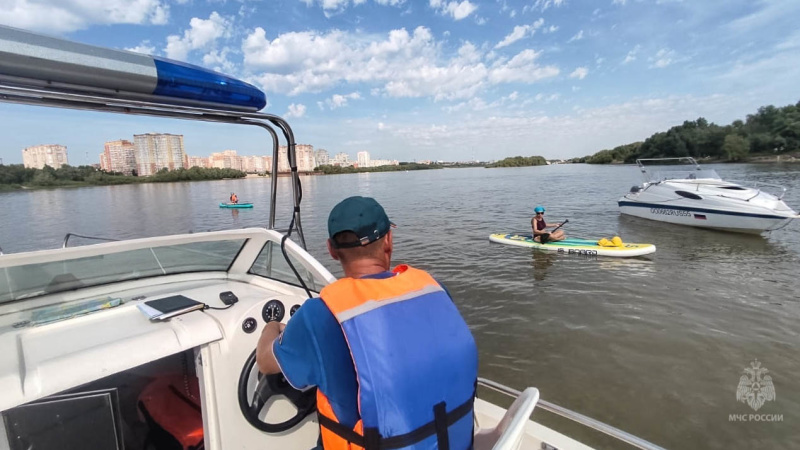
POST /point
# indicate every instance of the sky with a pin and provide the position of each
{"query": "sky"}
(434, 79)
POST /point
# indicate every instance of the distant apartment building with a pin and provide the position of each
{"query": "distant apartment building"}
(363, 159)
(119, 156)
(342, 159)
(227, 159)
(156, 151)
(383, 162)
(306, 159)
(198, 161)
(104, 161)
(38, 156)
(256, 164)
(322, 157)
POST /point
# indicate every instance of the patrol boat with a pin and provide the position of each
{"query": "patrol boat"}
(690, 195)
(89, 358)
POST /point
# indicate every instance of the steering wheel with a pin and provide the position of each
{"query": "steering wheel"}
(267, 387)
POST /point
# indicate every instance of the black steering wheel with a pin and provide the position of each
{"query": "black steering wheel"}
(267, 387)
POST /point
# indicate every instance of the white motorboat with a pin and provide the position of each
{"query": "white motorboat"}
(690, 195)
(87, 364)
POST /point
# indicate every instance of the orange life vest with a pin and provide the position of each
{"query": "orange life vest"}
(415, 360)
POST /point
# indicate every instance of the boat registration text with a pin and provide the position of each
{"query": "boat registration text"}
(670, 212)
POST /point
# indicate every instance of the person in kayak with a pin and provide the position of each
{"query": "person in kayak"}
(377, 340)
(539, 228)
(234, 198)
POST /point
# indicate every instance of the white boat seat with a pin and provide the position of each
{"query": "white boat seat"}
(508, 433)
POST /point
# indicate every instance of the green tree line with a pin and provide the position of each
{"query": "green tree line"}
(15, 176)
(519, 161)
(770, 131)
(333, 170)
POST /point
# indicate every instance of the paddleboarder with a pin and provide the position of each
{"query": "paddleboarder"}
(539, 228)
(234, 198)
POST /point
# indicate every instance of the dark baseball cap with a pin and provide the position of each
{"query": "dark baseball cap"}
(363, 216)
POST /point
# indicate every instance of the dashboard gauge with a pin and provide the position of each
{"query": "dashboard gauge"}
(273, 311)
(293, 310)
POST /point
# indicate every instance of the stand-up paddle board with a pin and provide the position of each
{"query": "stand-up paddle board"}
(575, 246)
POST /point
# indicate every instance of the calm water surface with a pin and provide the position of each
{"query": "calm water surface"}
(654, 345)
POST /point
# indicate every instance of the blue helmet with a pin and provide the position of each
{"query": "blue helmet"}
(538, 209)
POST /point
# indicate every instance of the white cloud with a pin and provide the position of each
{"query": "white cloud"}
(201, 35)
(542, 5)
(580, 132)
(339, 100)
(218, 60)
(456, 10)
(399, 64)
(519, 32)
(577, 37)
(144, 47)
(521, 68)
(296, 110)
(663, 58)
(550, 29)
(59, 16)
(331, 7)
(632, 54)
(579, 73)
(619, 2)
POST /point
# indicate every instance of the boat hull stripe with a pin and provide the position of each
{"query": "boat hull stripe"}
(700, 210)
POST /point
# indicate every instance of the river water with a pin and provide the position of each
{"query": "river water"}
(653, 345)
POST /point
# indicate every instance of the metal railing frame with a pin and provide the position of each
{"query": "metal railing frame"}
(575, 417)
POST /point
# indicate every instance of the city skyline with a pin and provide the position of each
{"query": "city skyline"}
(119, 146)
(442, 80)
(148, 153)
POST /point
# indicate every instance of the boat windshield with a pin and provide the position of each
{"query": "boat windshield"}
(33, 280)
(685, 174)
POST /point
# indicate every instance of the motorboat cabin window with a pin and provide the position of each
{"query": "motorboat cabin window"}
(272, 264)
(694, 174)
(32, 280)
(690, 195)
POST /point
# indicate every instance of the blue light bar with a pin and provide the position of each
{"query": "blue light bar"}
(181, 80)
(30, 59)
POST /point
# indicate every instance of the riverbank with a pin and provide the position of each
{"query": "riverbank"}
(16, 177)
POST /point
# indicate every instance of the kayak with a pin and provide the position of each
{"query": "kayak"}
(574, 246)
(236, 205)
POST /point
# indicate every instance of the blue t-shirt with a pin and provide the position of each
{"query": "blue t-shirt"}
(312, 351)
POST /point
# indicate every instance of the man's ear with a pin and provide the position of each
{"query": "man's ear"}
(332, 251)
(387, 246)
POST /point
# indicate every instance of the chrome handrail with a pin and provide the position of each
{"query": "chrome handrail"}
(783, 188)
(575, 417)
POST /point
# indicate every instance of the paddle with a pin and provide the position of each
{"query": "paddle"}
(562, 224)
(545, 238)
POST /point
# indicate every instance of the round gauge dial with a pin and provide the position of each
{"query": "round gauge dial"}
(273, 311)
(293, 310)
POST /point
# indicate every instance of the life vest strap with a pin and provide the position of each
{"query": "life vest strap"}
(439, 425)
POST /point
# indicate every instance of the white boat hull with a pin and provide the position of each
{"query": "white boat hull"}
(708, 203)
(704, 218)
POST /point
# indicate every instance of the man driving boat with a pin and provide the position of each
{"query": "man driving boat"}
(393, 360)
